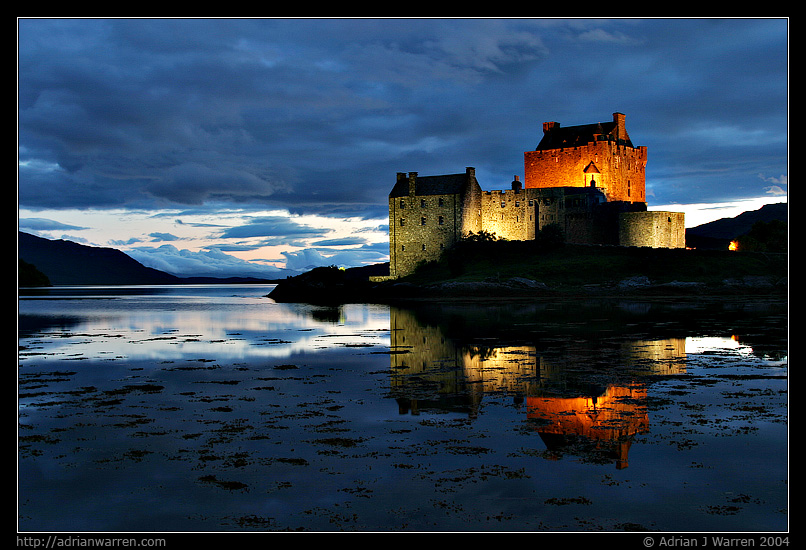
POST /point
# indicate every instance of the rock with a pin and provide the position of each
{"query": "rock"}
(750, 282)
(691, 285)
(523, 282)
(634, 282)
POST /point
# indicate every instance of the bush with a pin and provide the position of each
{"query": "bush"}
(765, 237)
(550, 237)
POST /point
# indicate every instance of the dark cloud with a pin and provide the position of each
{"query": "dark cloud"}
(162, 237)
(271, 226)
(34, 225)
(346, 241)
(318, 115)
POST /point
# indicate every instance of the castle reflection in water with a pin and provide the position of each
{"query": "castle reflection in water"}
(582, 396)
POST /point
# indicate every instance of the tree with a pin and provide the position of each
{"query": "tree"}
(765, 237)
(482, 236)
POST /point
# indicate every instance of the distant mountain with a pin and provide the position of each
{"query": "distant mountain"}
(718, 234)
(68, 263)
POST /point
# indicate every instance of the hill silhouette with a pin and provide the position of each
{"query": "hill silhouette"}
(718, 233)
(67, 263)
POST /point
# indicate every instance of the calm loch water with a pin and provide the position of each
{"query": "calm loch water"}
(212, 408)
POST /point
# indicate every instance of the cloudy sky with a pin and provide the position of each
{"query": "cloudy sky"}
(252, 146)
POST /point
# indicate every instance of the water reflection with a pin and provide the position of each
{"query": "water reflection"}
(174, 322)
(233, 412)
(578, 367)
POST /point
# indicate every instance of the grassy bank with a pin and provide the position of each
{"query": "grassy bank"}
(479, 270)
(572, 266)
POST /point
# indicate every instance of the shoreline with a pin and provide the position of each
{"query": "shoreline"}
(526, 270)
(520, 289)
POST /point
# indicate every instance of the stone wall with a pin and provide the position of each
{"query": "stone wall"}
(509, 214)
(619, 169)
(655, 229)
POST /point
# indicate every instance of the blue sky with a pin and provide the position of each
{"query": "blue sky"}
(255, 146)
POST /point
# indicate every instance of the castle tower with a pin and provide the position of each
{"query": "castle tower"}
(428, 214)
(597, 155)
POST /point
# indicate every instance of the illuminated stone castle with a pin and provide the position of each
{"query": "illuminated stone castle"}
(588, 179)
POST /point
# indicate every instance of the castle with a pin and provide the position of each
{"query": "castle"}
(588, 179)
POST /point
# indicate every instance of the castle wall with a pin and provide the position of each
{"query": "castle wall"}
(510, 215)
(621, 169)
(654, 229)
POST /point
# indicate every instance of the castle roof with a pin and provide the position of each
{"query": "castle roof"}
(558, 137)
(449, 184)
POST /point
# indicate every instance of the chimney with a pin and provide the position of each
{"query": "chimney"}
(549, 126)
(621, 132)
(516, 185)
(412, 183)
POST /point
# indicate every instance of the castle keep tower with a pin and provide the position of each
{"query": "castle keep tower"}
(598, 155)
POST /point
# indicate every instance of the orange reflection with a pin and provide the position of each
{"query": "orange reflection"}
(607, 420)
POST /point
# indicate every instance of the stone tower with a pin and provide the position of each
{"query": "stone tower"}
(428, 214)
(598, 155)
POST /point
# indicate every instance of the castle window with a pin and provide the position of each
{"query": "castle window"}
(422, 221)
(441, 201)
(423, 247)
(441, 220)
(517, 204)
(503, 204)
(422, 203)
(402, 247)
(402, 222)
(402, 203)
